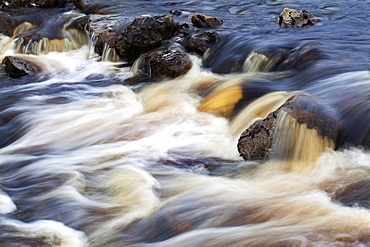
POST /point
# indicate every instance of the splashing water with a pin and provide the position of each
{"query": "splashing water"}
(88, 161)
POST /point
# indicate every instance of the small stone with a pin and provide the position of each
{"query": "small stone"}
(295, 18)
(200, 20)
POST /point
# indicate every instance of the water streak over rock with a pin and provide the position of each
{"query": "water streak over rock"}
(256, 142)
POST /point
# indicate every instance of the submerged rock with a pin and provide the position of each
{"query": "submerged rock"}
(256, 141)
(294, 18)
(200, 20)
(165, 62)
(144, 34)
(89, 6)
(237, 53)
(19, 66)
(356, 194)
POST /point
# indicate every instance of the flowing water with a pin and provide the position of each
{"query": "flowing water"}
(86, 160)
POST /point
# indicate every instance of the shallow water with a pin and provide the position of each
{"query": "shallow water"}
(88, 161)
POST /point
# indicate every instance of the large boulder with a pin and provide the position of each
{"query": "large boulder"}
(20, 66)
(144, 34)
(294, 18)
(165, 62)
(257, 140)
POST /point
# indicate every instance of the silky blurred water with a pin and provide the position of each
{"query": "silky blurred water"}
(86, 160)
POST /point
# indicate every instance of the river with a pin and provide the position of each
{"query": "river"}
(86, 160)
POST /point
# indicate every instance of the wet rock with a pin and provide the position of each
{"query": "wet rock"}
(200, 20)
(199, 42)
(256, 141)
(165, 62)
(144, 34)
(7, 24)
(18, 66)
(106, 38)
(294, 18)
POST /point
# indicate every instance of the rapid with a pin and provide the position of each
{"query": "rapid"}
(87, 160)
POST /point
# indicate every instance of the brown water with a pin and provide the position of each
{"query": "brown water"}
(87, 161)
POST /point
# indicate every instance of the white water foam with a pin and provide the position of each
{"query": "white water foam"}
(6, 204)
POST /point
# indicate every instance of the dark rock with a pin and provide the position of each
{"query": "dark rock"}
(105, 31)
(7, 24)
(20, 66)
(198, 43)
(144, 34)
(256, 141)
(165, 62)
(200, 20)
(293, 18)
(106, 38)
